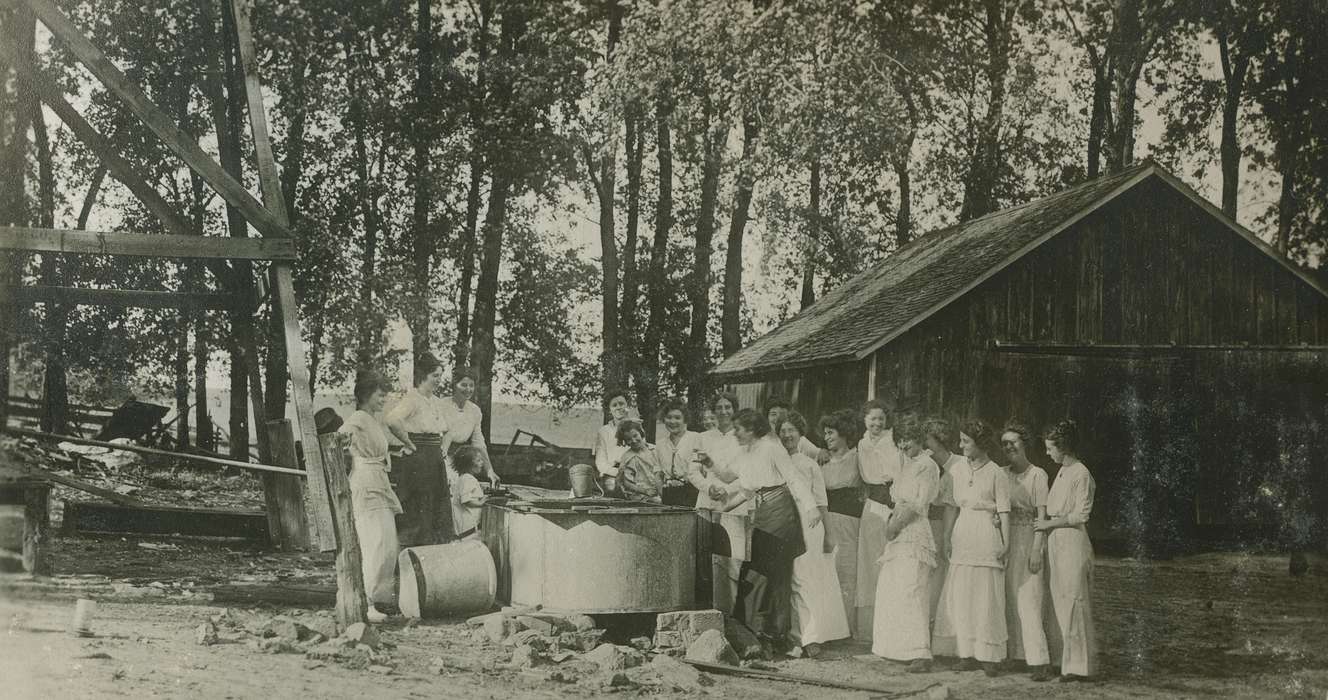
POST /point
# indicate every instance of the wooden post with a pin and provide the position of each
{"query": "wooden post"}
(283, 495)
(36, 521)
(352, 605)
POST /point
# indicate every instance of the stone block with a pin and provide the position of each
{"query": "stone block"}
(712, 648)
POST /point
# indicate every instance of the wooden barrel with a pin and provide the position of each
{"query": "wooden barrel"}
(439, 579)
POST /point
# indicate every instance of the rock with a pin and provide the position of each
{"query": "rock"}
(691, 623)
(642, 643)
(501, 627)
(561, 656)
(283, 627)
(616, 679)
(580, 623)
(535, 624)
(524, 656)
(669, 640)
(712, 648)
(380, 669)
(482, 620)
(678, 675)
(277, 645)
(529, 638)
(611, 657)
(206, 634)
(320, 623)
(585, 640)
(743, 640)
(361, 633)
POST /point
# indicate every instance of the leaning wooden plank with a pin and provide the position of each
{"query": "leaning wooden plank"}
(155, 119)
(283, 495)
(35, 472)
(933, 689)
(133, 298)
(199, 459)
(165, 520)
(54, 240)
(352, 605)
(253, 90)
(120, 168)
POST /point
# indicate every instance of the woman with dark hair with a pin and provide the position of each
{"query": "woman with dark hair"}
(640, 478)
(781, 502)
(675, 452)
(607, 451)
(903, 599)
(941, 439)
(464, 420)
(420, 473)
(970, 622)
(843, 491)
(1025, 588)
(1070, 552)
(710, 465)
(818, 609)
(372, 501)
(879, 462)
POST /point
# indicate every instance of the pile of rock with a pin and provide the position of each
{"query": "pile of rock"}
(313, 634)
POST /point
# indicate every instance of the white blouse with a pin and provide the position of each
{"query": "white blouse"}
(879, 460)
(1028, 491)
(607, 450)
(1071, 496)
(676, 458)
(418, 413)
(464, 424)
(763, 464)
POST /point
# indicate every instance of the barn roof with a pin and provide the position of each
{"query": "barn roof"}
(917, 280)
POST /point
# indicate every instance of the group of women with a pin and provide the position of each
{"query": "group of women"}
(887, 534)
(427, 493)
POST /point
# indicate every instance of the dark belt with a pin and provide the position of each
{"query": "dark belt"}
(467, 533)
(433, 439)
(880, 493)
(766, 493)
(845, 501)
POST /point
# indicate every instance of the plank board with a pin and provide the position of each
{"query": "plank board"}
(44, 240)
(133, 298)
(165, 520)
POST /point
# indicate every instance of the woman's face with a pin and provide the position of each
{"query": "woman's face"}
(723, 412)
(635, 439)
(432, 381)
(776, 416)
(969, 447)
(463, 389)
(618, 407)
(744, 434)
(375, 402)
(789, 435)
(675, 422)
(912, 448)
(875, 420)
(931, 443)
(1054, 451)
(708, 420)
(833, 441)
(1014, 446)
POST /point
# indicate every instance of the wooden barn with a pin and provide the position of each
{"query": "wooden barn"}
(1191, 351)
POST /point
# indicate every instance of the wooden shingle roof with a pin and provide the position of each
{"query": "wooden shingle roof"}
(920, 278)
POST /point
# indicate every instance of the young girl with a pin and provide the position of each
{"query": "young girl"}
(467, 495)
(374, 504)
(640, 478)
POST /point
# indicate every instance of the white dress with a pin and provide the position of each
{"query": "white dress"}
(607, 451)
(721, 448)
(841, 474)
(879, 462)
(818, 607)
(374, 504)
(970, 621)
(1025, 591)
(903, 598)
(1070, 565)
(944, 499)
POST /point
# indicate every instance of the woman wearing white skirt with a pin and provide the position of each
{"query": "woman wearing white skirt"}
(941, 440)
(970, 621)
(1070, 552)
(373, 503)
(1025, 589)
(879, 463)
(818, 608)
(843, 491)
(903, 600)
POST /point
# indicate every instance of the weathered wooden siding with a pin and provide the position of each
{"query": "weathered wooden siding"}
(1209, 435)
(813, 392)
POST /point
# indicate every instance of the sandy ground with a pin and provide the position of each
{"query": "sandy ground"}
(1224, 625)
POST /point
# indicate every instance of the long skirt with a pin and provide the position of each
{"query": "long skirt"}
(1025, 594)
(903, 610)
(970, 622)
(937, 582)
(818, 609)
(1070, 563)
(374, 507)
(842, 533)
(871, 545)
(765, 581)
(420, 480)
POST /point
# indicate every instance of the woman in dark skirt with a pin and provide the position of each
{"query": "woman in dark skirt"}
(783, 501)
(419, 475)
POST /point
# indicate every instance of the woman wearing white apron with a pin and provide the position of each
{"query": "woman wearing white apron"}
(970, 621)
(818, 608)
(1070, 552)
(709, 467)
(903, 597)
(373, 503)
(1025, 589)
(843, 491)
(879, 463)
(941, 440)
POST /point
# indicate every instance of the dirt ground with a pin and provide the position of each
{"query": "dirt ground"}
(1226, 625)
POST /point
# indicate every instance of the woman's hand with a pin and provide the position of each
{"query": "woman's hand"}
(717, 493)
(1042, 525)
(407, 449)
(892, 529)
(813, 518)
(1035, 561)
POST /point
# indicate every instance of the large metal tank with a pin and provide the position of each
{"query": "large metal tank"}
(593, 555)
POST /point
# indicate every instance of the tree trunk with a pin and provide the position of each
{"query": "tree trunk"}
(698, 288)
(17, 28)
(367, 348)
(629, 321)
(461, 351)
(813, 235)
(647, 385)
(902, 161)
(612, 370)
(482, 348)
(980, 185)
(1100, 115)
(731, 316)
(1234, 70)
(423, 238)
(1289, 144)
(55, 390)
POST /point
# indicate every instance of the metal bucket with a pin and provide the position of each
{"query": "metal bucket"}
(583, 481)
(446, 578)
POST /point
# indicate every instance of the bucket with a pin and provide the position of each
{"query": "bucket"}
(583, 481)
(438, 579)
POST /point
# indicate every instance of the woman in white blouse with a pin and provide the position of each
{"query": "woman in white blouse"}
(373, 503)
(879, 463)
(970, 622)
(420, 474)
(782, 502)
(607, 451)
(675, 452)
(1070, 552)
(941, 439)
(1025, 588)
(844, 498)
(465, 421)
(710, 465)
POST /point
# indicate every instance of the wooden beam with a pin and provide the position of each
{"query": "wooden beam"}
(1135, 350)
(352, 604)
(162, 125)
(165, 520)
(268, 180)
(35, 472)
(283, 496)
(119, 298)
(198, 459)
(157, 245)
(48, 92)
